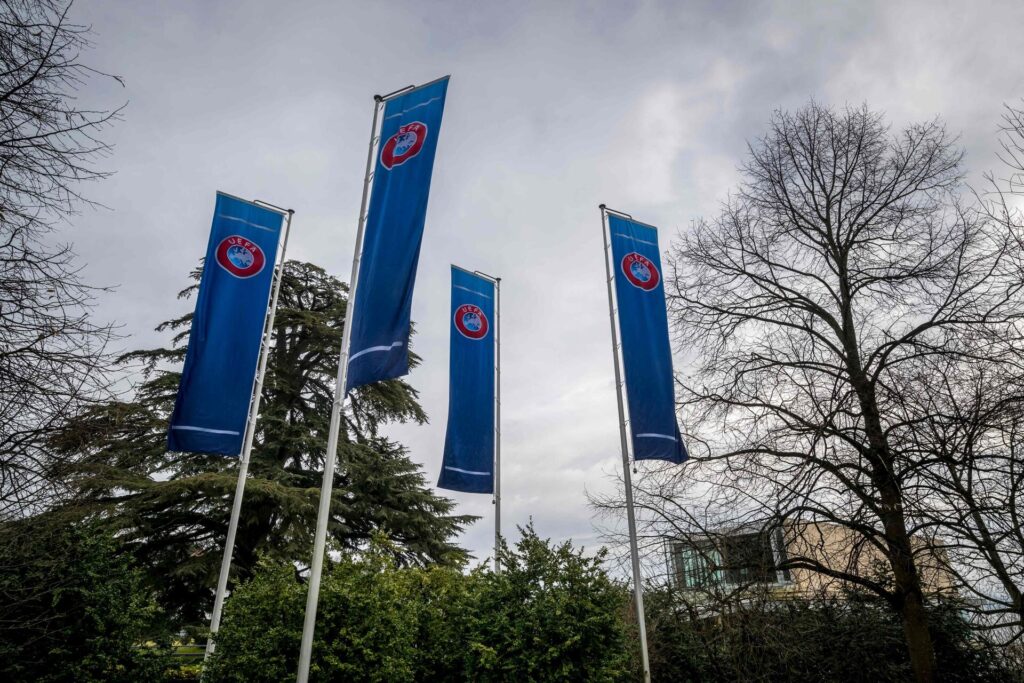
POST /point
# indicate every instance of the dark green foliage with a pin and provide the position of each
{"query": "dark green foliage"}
(552, 615)
(835, 639)
(173, 508)
(366, 626)
(73, 608)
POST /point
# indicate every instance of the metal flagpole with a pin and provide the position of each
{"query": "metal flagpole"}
(497, 425)
(250, 430)
(497, 418)
(624, 444)
(323, 515)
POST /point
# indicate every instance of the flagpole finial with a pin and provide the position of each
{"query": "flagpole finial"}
(378, 98)
(603, 207)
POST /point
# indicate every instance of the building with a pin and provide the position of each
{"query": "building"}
(753, 558)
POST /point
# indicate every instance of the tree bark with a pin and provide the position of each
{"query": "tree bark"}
(908, 594)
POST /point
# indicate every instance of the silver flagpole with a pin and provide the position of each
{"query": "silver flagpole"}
(250, 430)
(497, 426)
(323, 516)
(497, 418)
(634, 551)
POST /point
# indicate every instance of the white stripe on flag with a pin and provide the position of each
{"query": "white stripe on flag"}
(630, 237)
(457, 469)
(471, 291)
(190, 428)
(373, 349)
(656, 436)
(242, 220)
(406, 111)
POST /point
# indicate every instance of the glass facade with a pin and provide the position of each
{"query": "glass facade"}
(737, 559)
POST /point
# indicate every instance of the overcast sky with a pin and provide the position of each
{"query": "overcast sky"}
(553, 108)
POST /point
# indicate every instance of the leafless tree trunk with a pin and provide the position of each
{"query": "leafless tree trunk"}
(51, 351)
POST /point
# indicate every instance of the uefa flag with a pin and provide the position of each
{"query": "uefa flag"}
(469, 441)
(379, 345)
(646, 353)
(224, 344)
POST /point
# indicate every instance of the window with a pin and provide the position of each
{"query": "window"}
(695, 566)
(748, 558)
(744, 558)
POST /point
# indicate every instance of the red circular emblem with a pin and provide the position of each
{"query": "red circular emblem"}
(403, 145)
(471, 322)
(640, 271)
(240, 257)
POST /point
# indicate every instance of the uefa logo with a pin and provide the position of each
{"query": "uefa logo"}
(240, 257)
(471, 322)
(640, 271)
(403, 145)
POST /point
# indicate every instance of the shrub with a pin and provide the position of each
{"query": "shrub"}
(73, 608)
(551, 615)
(366, 626)
(828, 639)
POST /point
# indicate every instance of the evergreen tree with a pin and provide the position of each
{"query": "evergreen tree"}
(173, 508)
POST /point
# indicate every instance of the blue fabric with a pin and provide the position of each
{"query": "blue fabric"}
(224, 345)
(646, 353)
(469, 441)
(379, 347)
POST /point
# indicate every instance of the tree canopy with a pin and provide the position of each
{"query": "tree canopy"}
(52, 350)
(173, 508)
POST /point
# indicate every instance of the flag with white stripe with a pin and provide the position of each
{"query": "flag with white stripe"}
(468, 463)
(216, 386)
(379, 347)
(646, 352)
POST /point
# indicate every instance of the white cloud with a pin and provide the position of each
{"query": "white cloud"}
(662, 152)
(553, 108)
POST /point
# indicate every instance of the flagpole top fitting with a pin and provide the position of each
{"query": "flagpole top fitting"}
(396, 93)
(275, 207)
(482, 274)
(605, 208)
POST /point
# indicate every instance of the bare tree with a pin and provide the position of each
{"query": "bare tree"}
(968, 421)
(51, 351)
(845, 266)
(968, 412)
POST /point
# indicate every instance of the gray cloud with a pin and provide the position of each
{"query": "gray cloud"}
(553, 108)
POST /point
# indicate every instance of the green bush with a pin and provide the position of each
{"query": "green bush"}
(830, 639)
(73, 608)
(551, 615)
(364, 627)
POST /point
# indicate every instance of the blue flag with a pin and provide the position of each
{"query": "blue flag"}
(379, 347)
(469, 442)
(646, 354)
(224, 345)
